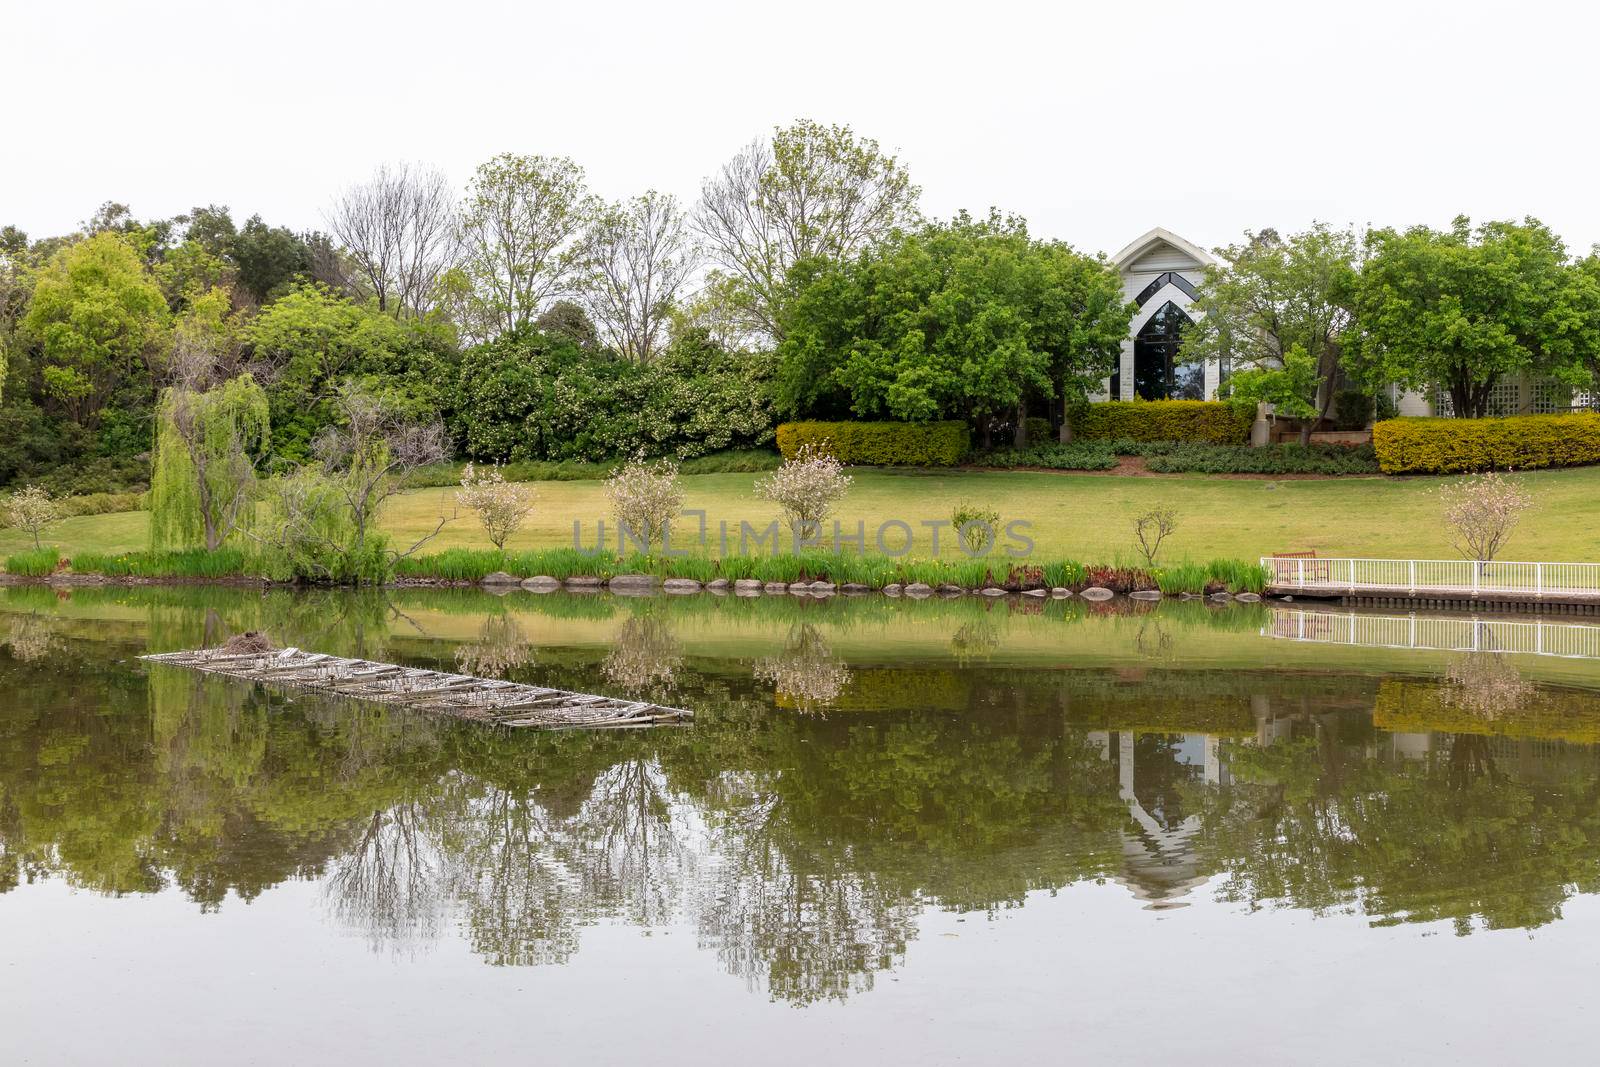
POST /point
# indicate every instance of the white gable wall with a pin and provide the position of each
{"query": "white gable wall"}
(1141, 263)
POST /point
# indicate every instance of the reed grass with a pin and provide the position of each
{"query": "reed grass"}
(33, 562)
(194, 563)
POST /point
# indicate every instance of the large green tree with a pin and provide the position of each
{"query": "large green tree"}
(519, 226)
(315, 340)
(1270, 296)
(99, 320)
(967, 319)
(811, 192)
(1462, 308)
(269, 258)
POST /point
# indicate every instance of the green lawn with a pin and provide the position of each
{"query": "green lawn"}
(1084, 517)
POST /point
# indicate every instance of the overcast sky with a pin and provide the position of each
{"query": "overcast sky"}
(1095, 121)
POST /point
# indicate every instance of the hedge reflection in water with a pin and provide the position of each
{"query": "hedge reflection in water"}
(802, 848)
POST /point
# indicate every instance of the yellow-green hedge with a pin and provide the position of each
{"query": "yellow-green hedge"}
(1205, 421)
(1521, 442)
(882, 444)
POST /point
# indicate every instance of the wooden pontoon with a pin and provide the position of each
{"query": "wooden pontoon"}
(461, 696)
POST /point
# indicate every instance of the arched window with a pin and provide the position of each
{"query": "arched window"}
(1158, 373)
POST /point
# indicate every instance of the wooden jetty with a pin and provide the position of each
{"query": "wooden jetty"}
(461, 696)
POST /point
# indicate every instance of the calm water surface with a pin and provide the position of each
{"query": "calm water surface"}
(898, 832)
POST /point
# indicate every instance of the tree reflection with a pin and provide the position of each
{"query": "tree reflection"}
(31, 638)
(645, 655)
(1486, 685)
(803, 850)
(806, 674)
(500, 649)
(387, 884)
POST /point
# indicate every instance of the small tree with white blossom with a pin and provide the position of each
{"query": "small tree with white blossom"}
(33, 509)
(1481, 512)
(501, 506)
(645, 497)
(806, 487)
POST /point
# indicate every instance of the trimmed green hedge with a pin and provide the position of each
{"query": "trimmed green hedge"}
(1199, 421)
(881, 444)
(1452, 446)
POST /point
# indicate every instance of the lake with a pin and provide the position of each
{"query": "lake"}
(945, 831)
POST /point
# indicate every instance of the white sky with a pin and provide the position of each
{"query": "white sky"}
(1096, 121)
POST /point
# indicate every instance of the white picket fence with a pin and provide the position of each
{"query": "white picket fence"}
(1442, 576)
(1568, 640)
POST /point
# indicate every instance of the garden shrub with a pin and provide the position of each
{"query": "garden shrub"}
(1269, 459)
(1177, 457)
(528, 396)
(1072, 456)
(1038, 430)
(880, 444)
(1207, 421)
(1352, 409)
(1452, 446)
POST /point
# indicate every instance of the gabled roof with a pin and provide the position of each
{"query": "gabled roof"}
(1161, 236)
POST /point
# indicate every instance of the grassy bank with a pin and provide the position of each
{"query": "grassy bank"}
(841, 568)
(1073, 516)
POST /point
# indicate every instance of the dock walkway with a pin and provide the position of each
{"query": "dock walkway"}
(1437, 582)
(461, 696)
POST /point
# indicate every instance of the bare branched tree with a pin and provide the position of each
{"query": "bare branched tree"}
(812, 191)
(324, 516)
(1151, 529)
(370, 455)
(637, 256)
(518, 228)
(399, 229)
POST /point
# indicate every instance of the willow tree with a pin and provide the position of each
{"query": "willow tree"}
(203, 476)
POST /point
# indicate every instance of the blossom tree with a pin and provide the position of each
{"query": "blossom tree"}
(1482, 512)
(33, 509)
(501, 506)
(645, 497)
(806, 487)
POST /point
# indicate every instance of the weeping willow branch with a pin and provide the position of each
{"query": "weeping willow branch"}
(203, 479)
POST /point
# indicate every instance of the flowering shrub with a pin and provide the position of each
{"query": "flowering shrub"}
(501, 506)
(1482, 512)
(806, 488)
(645, 497)
(33, 509)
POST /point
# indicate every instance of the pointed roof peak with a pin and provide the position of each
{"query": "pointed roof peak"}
(1158, 236)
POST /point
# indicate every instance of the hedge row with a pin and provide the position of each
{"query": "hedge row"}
(1269, 459)
(1521, 442)
(1175, 457)
(881, 444)
(1197, 421)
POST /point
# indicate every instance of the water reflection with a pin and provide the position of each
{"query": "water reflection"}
(645, 656)
(802, 850)
(806, 675)
(500, 649)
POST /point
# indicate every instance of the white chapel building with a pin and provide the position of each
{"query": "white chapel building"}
(1162, 274)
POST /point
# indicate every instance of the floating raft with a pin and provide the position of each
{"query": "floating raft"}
(460, 696)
